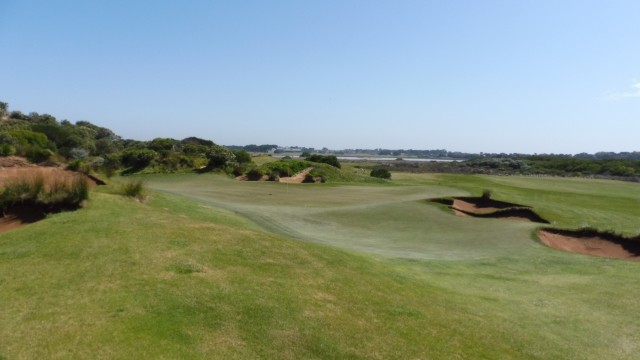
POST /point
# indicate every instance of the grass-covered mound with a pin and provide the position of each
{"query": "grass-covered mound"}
(290, 167)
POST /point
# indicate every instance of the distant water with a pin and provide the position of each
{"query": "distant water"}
(356, 158)
(373, 158)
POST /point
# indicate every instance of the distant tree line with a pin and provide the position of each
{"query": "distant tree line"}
(623, 169)
(255, 148)
(88, 147)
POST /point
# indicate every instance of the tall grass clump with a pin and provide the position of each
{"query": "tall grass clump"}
(70, 192)
(134, 188)
(55, 193)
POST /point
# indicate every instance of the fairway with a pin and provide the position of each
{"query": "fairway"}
(213, 268)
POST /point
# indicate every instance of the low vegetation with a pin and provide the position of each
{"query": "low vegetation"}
(622, 169)
(134, 188)
(325, 159)
(59, 192)
(381, 173)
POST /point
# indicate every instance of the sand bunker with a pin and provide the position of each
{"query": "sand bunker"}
(591, 242)
(479, 205)
(489, 208)
(298, 178)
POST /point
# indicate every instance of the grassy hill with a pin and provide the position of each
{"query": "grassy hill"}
(215, 268)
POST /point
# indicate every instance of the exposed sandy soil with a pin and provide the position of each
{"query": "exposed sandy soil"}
(613, 247)
(468, 206)
(246, 178)
(487, 208)
(479, 205)
(19, 216)
(460, 213)
(297, 178)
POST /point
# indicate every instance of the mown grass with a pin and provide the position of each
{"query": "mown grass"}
(567, 202)
(177, 278)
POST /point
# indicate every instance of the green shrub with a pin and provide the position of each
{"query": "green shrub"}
(255, 174)
(242, 156)
(220, 157)
(138, 158)
(381, 173)
(274, 175)
(286, 167)
(7, 149)
(325, 159)
(240, 169)
(74, 165)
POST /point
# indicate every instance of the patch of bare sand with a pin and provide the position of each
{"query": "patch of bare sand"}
(592, 245)
(488, 208)
(18, 216)
(468, 206)
(297, 178)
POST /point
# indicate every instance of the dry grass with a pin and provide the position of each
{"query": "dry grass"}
(52, 176)
(51, 187)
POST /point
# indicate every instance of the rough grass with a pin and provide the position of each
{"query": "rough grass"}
(134, 188)
(46, 189)
(177, 278)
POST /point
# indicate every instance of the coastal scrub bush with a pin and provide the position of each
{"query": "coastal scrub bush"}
(286, 167)
(138, 158)
(325, 159)
(255, 174)
(220, 157)
(242, 156)
(381, 173)
(7, 149)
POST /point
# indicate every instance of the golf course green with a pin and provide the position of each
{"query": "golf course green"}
(211, 267)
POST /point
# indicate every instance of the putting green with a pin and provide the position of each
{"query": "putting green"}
(382, 219)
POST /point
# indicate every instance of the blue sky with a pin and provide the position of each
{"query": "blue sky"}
(491, 76)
